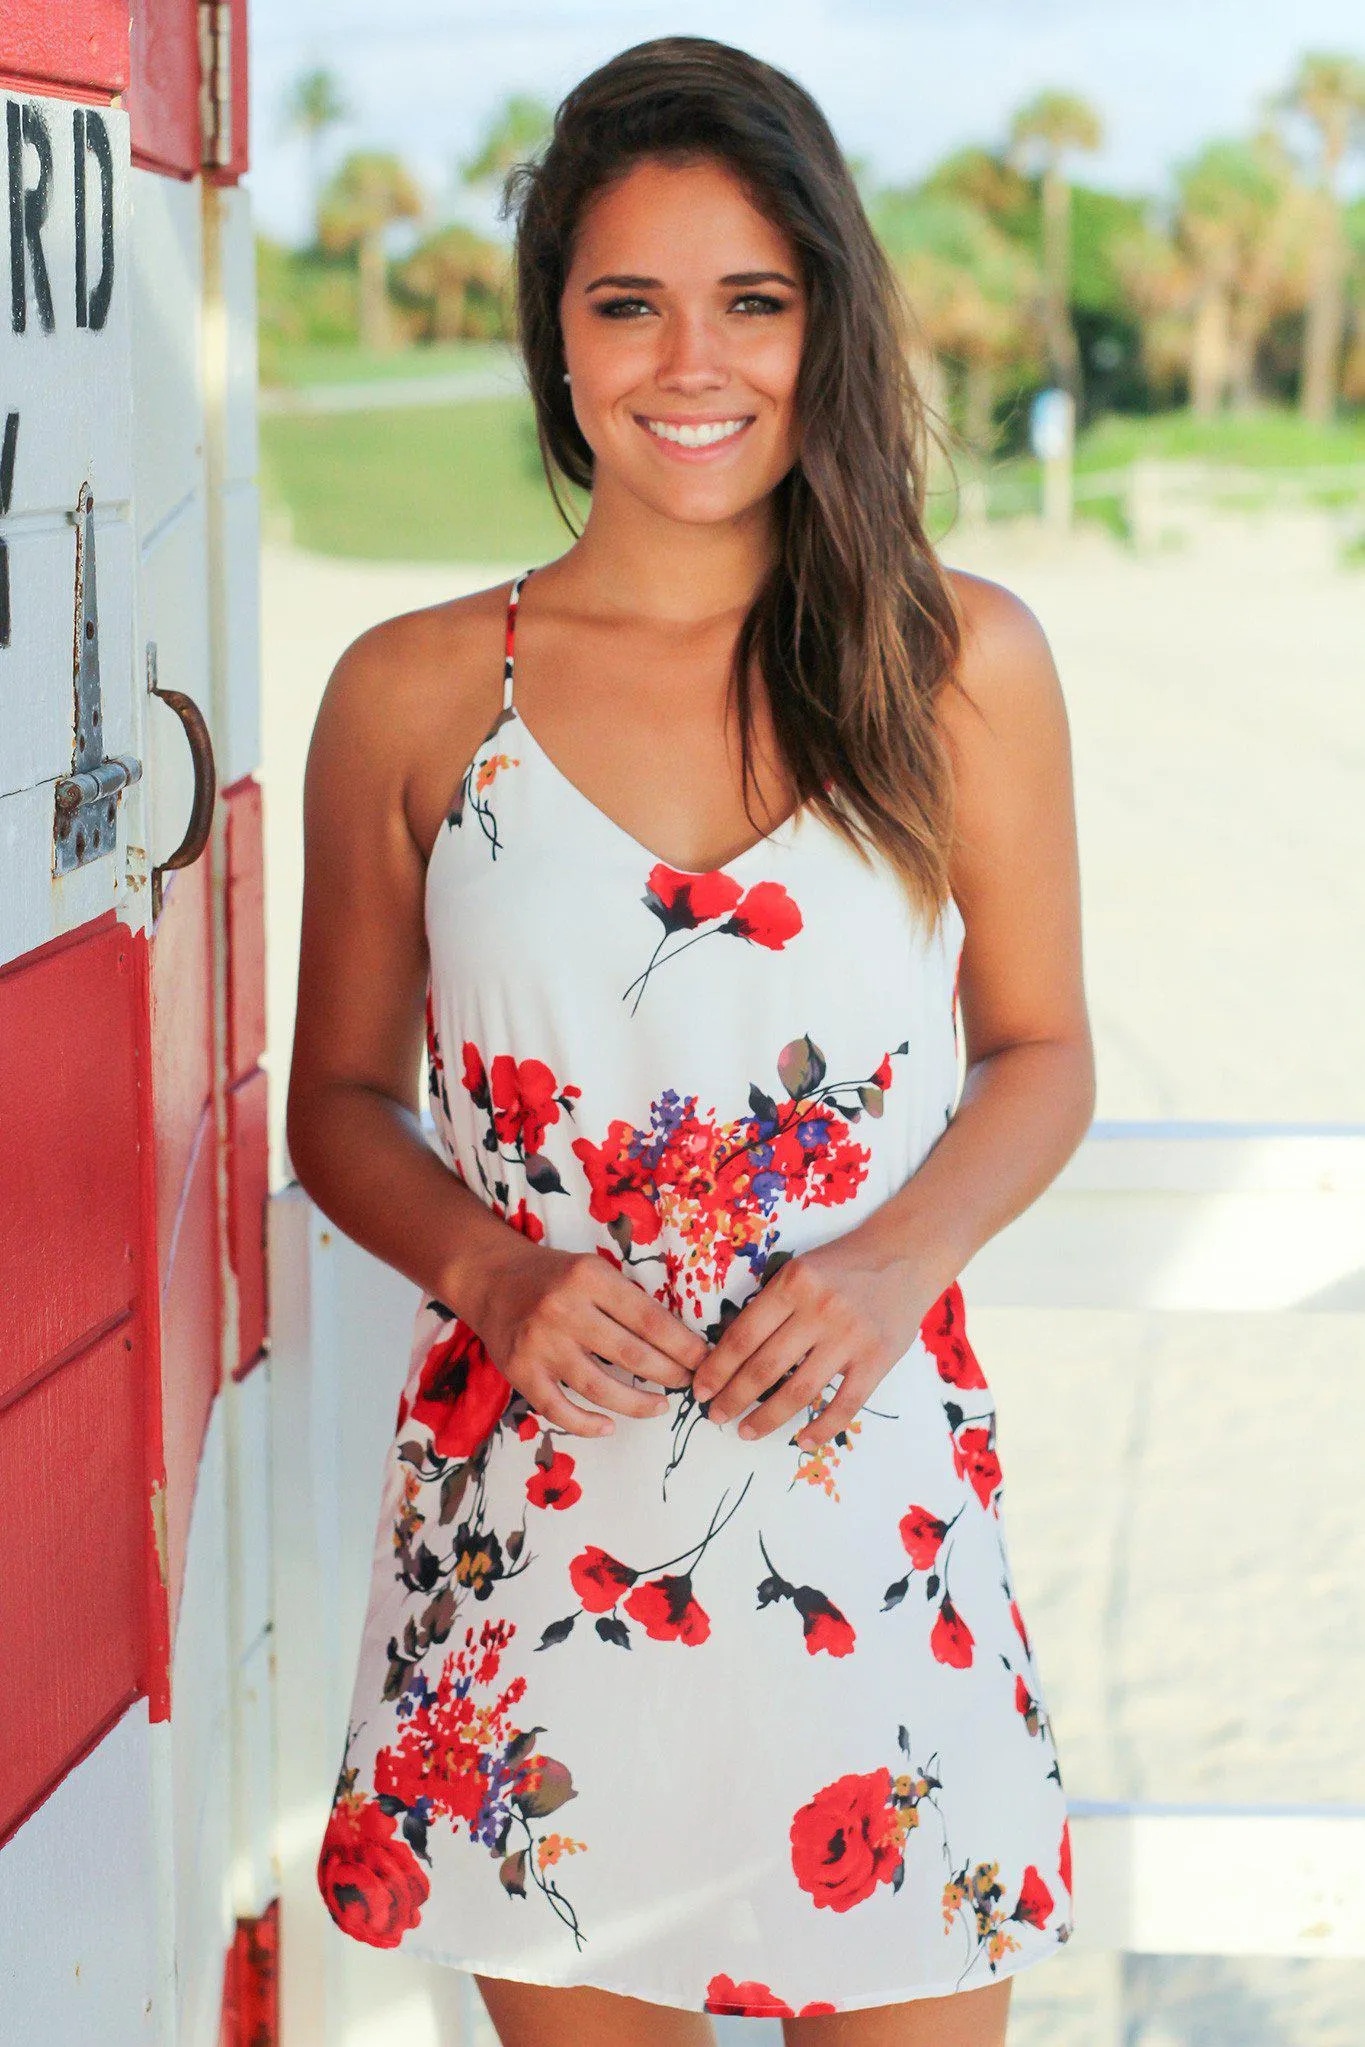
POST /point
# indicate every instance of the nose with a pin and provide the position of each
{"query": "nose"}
(692, 355)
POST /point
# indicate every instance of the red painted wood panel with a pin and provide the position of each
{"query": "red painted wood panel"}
(191, 1354)
(163, 95)
(248, 1192)
(182, 1040)
(251, 2003)
(70, 1232)
(73, 1524)
(245, 927)
(73, 48)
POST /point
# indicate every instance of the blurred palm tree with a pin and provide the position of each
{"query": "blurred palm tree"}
(1238, 209)
(1327, 93)
(516, 130)
(460, 274)
(370, 191)
(976, 292)
(1209, 279)
(1042, 134)
(314, 105)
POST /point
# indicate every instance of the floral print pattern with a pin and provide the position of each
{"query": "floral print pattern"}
(693, 1078)
(762, 915)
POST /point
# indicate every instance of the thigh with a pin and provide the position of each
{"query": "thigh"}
(532, 2015)
(969, 2018)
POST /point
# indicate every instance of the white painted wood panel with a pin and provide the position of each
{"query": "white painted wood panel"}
(1188, 1221)
(201, 1755)
(237, 723)
(79, 1890)
(167, 339)
(70, 384)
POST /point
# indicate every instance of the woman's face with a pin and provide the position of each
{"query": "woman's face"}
(684, 310)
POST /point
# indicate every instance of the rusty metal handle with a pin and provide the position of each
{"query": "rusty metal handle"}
(205, 777)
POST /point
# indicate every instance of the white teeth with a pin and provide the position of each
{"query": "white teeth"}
(700, 436)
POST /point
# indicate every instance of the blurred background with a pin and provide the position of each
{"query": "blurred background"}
(1135, 239)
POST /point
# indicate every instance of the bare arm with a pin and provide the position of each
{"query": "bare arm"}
(854, 1305)
(353, 1119)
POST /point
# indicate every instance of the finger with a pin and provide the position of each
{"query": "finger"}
(837, 1413)
(611, 1338)
(554, 1404)
(762, 1315)
(783, 1352)
(595, 1384)
(628, 1303)
(787, 1398)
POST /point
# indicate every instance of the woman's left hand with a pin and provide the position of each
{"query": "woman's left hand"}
(825, 1312)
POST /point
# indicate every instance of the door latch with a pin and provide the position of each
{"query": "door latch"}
(85, 824)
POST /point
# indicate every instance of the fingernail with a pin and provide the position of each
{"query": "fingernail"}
(747, 1429)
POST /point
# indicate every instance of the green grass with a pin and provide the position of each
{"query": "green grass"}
(464, 483)
(299, 363)
(445, 483)
(1265, 439)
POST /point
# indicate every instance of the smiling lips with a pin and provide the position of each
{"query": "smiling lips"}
(693, 439)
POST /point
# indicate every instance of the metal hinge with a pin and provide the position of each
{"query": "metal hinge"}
(215, 83)
(84, 827)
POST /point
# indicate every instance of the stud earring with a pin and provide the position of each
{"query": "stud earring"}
(566, 376)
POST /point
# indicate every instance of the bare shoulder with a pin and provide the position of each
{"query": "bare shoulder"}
(407, 704)
(1007, 674)
(1005, 722)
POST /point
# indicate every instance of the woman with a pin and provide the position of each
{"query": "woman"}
(692, 1678)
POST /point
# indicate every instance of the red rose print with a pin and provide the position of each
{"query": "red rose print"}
(824, 1626)
(461, 1394)
(754, 2001)
(474, 1077)
(745, 2000)
(766, 916)
(525, 1220)
(975, 1460)
(598, 1579)
(827, 1629)
(1035, 1899)
(1064, 1857)
(882, 1077)
(371, 1882)
(846, 1840)
(944, 1333)
(524, 1104)
(1018, 1620)
(682, 901)
(553, 1484)
(667, 1611)
(951, 1640)
(922, 1532)
(620, 1184)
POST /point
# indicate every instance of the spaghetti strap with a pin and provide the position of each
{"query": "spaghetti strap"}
(509, 638)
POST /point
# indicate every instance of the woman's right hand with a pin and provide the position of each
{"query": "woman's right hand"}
(548, 1318)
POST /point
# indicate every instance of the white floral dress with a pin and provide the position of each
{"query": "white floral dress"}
(723, 1725)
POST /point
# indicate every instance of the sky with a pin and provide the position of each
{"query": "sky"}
(902, 82)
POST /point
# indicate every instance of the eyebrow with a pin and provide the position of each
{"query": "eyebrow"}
(624, 281)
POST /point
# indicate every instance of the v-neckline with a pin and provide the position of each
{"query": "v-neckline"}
(770, 840)
(511, 709)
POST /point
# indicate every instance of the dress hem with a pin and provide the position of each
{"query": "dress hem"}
(421, 1952)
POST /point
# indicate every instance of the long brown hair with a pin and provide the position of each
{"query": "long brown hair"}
(857, 628)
